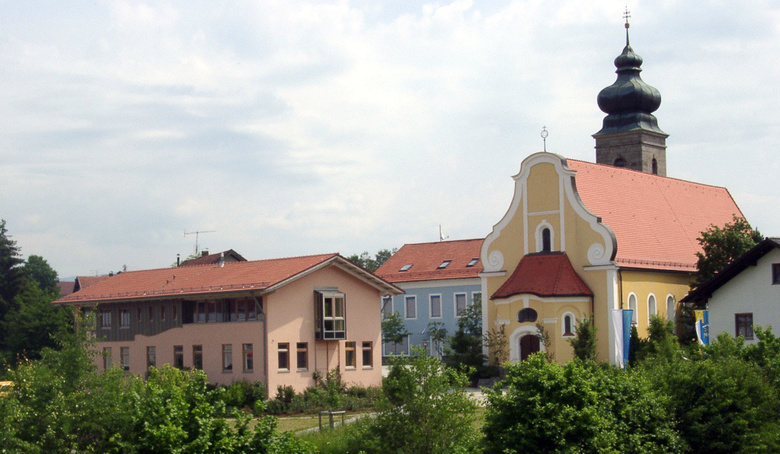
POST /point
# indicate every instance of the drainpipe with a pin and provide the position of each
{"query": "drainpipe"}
(266, 350)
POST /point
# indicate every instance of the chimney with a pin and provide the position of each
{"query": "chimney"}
(221, 259)
(178, 260)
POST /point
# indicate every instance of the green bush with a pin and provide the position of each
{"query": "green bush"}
(576, 407)
(242, 395)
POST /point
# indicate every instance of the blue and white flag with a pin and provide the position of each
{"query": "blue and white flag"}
(702, 326)
(621, 326)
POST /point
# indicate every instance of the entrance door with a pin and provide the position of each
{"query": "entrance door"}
(529, 344)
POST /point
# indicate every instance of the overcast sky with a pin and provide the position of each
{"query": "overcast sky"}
(301, 127)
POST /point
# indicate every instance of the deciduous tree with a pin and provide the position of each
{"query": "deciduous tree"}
(721, 245)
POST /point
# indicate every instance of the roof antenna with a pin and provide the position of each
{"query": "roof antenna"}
(441, 234)
(197, 233)
(626, 16)
(544, 135)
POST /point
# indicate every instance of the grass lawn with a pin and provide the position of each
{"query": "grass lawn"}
(300, 422)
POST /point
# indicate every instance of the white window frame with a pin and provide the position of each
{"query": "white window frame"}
(634, 316)
(124, 318)
(455, 302)
(408, 298)
(430, 305)
(671, 315)
(386, 306)
(651, 310)
(539, 242)
(573, 324)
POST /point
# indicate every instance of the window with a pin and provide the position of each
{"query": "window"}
(568, 325)
(162, 312)
(138, 314)
(619, 162)
(651, 307)
(241, 309)
(476, 298)
(124, 357)
(744, 325)
(105, 318)
(302, 355)
(670, 308)
(460, 303)
(178, 356)
(368, 355)
(472, 262)
(445, 264)
(401, 348)
(151, 313)
(632, 306)
(546, 240)
(107, 358)
(330, 316)
(406, 267)
(197, 357)
(775, 273)
(248, 357)
(527, 315)
(387, 306)
(349, 354)
(175, 314)
(284, 356)
(124, 318)
(151, 357)
(411, 306)
(435, 303)
(227, 358)
(655, 167)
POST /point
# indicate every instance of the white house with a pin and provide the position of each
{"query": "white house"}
(747, 291)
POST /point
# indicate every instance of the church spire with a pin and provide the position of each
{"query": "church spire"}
(630, 136)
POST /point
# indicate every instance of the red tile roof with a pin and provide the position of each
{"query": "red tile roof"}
(425, 259)
(83, 282)
(546, 275)
(229, 256)
(66, 287)
(209, 279)
(656, 220)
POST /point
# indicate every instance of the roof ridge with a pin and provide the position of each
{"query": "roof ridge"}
(649, 175)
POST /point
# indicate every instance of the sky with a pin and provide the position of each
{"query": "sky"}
(291, 127)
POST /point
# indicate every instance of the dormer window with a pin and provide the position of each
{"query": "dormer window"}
(472, 262)
(330, 321)
(406, 267)
(444, 264)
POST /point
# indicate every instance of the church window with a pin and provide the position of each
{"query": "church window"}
(670, 308)
(568, 324)
(620, 162)
(655, 167)
(527, 315)
(632, 306)
(652, 308)
(546, 240)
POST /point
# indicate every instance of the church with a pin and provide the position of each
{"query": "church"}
(583, 240)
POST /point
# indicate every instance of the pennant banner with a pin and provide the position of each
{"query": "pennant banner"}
(702, 326)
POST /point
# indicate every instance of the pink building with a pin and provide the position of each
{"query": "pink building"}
(275, 321)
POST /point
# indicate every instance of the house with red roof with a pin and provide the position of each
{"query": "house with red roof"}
(276, 321)
(584, 240)
(440, 279)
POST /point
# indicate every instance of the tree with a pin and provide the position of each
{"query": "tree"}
(438, 335)
(720, 246)
(465, 349)
(393, 329)
(582, 407)
(498, 346)
(37, 269)
(10, 270)
(371, 264)
(584, 343)
(424, 408)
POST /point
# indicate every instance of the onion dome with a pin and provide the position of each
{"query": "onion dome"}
(629, 102)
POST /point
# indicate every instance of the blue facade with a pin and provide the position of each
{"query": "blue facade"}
(425, 303)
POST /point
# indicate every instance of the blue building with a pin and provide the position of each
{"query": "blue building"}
(440, 280)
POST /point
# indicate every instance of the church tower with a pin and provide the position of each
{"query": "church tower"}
(630, 136)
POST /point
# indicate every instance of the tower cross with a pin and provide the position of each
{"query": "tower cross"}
(626, 16)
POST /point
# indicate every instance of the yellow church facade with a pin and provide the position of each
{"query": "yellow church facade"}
(581, 240)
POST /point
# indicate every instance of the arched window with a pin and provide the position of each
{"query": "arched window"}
(655, 167)
(670, 308)
(620, 162)
(568, 324)
(546, 240)
(527, 315)
(652, 307)
(544, 237)
(632, 306)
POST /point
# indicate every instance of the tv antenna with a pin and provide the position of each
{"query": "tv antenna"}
(197, 234)
(441, 234)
